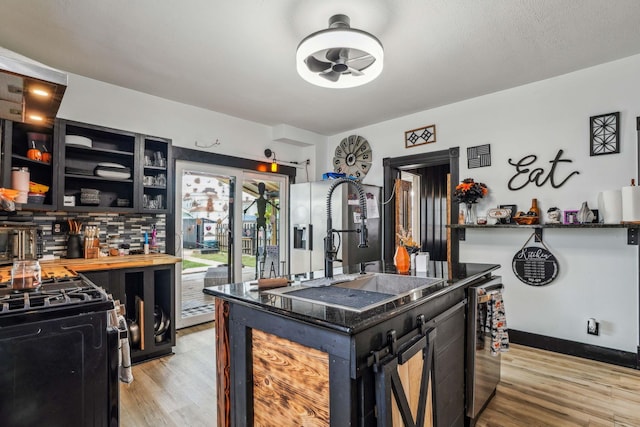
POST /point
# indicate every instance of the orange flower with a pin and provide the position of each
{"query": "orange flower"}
(469, 191)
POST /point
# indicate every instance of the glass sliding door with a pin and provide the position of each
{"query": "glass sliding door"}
(264, 228)
(221, 229)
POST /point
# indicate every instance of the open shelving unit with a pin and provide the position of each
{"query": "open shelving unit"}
(632, 229)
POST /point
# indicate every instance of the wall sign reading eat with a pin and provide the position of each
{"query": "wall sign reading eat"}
(524, 175)
(535, 266)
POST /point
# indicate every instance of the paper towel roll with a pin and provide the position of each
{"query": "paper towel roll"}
(631, 204)
(610, 206)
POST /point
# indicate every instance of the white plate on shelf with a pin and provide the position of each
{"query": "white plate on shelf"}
(78, 140)
(112, 174)
(111, 165)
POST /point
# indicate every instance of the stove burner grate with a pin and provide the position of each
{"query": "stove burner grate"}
(51, 294)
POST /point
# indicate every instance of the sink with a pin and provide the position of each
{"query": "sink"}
(359, 292)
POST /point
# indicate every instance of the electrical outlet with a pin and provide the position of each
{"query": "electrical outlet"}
(593, 327)
(59, 228)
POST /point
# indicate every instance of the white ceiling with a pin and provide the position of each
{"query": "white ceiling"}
(238, 56)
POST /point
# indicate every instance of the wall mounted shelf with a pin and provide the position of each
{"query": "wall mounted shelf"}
(632, 229)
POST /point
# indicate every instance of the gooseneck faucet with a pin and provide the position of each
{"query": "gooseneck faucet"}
(330, 250)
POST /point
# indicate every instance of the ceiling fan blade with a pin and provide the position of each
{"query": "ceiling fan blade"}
(332, 76)
(357, 58)
(315, 65)
(338, 54)
(355, 71)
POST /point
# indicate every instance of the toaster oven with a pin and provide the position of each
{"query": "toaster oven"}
(20, 242)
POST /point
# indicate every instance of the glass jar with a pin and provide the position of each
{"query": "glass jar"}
(25, 274)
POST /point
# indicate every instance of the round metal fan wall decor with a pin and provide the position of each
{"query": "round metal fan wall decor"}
(353, 156)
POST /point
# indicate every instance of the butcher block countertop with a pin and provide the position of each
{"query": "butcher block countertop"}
(68, 267)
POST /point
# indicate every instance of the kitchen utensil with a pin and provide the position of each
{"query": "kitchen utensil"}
(134, 332)
(135, 326)
(140, 317)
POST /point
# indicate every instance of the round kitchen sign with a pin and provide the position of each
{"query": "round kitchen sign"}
(535, 266)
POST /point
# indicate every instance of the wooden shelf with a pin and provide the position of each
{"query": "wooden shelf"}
(594, 225)
(632, 229)
(96, 178)
(98, 150)
(30, 161)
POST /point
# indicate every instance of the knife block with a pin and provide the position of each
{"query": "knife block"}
(91, 248)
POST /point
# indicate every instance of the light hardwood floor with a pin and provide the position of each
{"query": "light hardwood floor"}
(538, 389)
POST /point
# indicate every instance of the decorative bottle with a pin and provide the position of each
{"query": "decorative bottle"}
(534, 208)
(401, 259)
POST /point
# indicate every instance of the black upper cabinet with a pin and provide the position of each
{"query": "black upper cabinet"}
(98, 168)
(17, 140)
(103, 169)
(156, 176)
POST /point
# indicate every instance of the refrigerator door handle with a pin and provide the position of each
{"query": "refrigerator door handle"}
(310, 234)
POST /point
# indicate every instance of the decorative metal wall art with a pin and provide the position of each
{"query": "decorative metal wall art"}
(605, 134)
(479, 156)
(420, 136)
(525, 175)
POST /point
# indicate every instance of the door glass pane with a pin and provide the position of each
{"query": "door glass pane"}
(263, 229)
(206, 200)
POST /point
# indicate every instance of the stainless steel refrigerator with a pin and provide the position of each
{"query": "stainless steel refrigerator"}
(309, 224)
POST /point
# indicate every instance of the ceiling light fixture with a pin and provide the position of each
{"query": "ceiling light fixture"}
(340, 56)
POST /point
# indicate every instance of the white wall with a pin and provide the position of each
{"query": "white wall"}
(598, 270)
(92, 101)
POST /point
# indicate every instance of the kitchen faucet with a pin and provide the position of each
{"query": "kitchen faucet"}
(330, 251)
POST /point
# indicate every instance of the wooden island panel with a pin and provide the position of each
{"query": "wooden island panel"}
(410, 376)
(290, 382)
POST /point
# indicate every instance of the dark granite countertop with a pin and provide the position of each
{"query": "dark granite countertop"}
(441, 279)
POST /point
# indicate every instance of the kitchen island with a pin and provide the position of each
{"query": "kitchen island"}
(286, 358)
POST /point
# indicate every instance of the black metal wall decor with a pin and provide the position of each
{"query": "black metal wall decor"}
(479, 156)
(525, 175)
(420, 136)
(605, 134)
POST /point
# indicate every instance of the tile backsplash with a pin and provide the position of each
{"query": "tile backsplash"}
(115, 229)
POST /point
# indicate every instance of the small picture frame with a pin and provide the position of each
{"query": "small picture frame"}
(420, 136)
(513, 209)
(570, 217)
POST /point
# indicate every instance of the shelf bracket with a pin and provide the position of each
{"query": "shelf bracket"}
(632, 236)
(462, 234)
(538, 234)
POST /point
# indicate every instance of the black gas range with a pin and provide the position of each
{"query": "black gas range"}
(59, 355)
(66, 296)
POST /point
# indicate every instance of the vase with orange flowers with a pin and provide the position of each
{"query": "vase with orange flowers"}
(467, 193)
